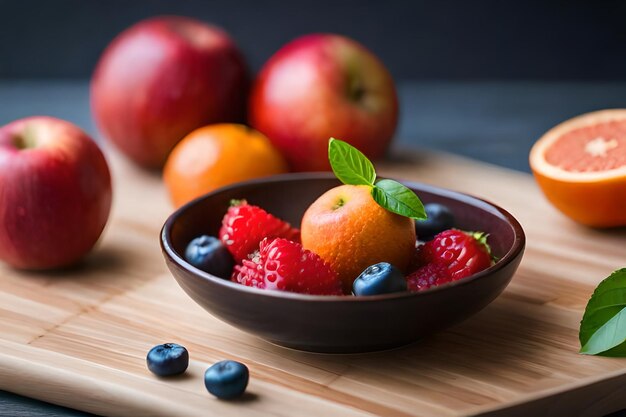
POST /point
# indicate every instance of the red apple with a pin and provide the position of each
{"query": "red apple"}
(162, 78)
(321, 86)
(55, 193)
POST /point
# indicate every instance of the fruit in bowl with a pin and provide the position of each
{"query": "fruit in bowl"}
(350, 231)
(162, 78)
(355, 238)
(291, 295)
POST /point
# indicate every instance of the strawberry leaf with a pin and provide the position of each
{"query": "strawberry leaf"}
(349, 164)
(603, 327)
(237, 202)
(481, 237)
(398, 199)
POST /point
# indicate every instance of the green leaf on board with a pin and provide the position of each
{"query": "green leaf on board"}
(611, 335)
(603, 327)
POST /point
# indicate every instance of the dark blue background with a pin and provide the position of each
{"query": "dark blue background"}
(460, 40)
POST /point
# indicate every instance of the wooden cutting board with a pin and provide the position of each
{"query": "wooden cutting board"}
(79, 338)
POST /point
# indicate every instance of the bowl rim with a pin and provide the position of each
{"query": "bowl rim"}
(516, 249)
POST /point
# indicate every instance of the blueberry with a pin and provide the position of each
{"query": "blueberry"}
(440, 218)
(380, 278)
(209, 254)
(168, 359)
(226, 379)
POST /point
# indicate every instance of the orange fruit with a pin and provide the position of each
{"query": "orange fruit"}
(350, 231)
(217, 155)
(580, 166)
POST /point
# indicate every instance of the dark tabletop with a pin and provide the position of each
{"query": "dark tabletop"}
(495, 122)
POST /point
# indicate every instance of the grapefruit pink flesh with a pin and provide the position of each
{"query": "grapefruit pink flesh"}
(596, 148)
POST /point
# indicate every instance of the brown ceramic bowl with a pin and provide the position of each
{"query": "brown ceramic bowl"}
(335, 324)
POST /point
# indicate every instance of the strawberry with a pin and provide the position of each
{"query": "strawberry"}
(463, 253)
(245, 225)
(284, 265)
(427, 276)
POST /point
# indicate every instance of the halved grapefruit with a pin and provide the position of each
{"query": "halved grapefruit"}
(580, 166)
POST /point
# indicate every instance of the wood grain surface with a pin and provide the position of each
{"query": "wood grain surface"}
(79, 337)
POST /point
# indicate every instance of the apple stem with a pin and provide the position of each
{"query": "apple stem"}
(355, 89)
(25, 140)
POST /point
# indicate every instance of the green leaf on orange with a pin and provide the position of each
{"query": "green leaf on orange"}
(603, 327)
(398, 199)
(349, 164)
